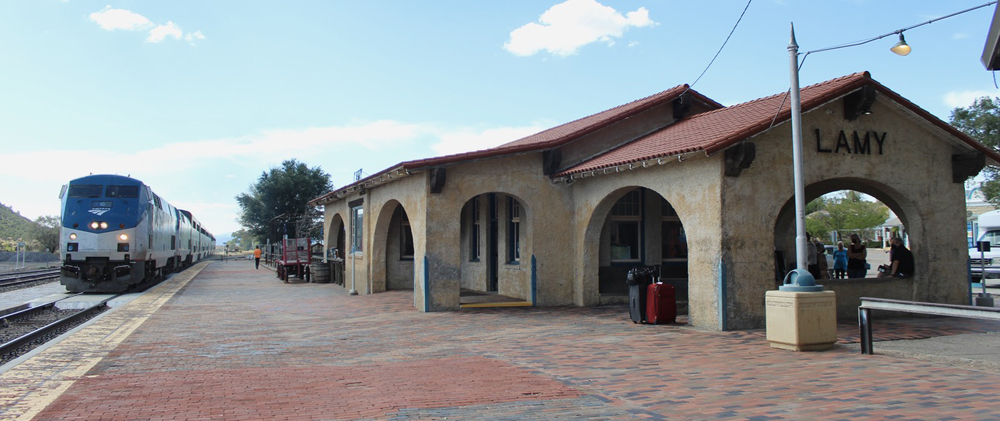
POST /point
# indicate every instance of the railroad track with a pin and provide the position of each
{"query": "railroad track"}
(25, 329)
(20, 278)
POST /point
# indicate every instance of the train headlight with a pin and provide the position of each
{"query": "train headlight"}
(72, 236)
(123, 237)
(104, 225)
(94, 225)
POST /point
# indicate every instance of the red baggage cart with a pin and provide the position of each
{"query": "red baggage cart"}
(294, 258)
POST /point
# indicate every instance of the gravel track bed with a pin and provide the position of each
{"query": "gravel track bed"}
(13, 329)
(33, 284)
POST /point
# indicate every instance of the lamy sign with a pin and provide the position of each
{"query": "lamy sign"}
(865, 143)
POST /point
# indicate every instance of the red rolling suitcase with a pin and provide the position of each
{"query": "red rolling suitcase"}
(661, 303)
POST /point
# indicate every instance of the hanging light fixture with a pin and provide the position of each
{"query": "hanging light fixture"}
(901, 47)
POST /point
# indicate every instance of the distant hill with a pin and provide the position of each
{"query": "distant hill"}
(13, 226)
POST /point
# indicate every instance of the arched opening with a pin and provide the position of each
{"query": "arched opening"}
(838, 209)
(392, 249)
(636, 227)
(336, 239)
(495, 257)
(399, 252)
(336, 236)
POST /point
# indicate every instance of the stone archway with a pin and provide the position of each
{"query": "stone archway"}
(335, 237)
(900, 205)
(392, 249)
(630, 227)
(495, 248)
(849, 291)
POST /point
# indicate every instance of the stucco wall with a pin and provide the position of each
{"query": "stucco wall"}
(544, 204)
(912, 176)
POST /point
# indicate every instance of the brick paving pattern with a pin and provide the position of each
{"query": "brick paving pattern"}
(235, 343)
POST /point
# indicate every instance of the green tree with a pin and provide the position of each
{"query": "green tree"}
(242, 240)
(981, 121)
(817, 221)
(46, 232)
(285, 192)
(847, 214)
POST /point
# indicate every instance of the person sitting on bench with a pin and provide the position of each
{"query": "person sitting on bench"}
(901, 259)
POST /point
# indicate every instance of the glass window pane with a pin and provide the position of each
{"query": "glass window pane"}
(356, 241)
(624, 240)
(126, 192)
(628, 205)
(84, 190)
(674, 240)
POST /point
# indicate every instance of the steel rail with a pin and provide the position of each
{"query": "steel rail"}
(28, 274)
(27, 338)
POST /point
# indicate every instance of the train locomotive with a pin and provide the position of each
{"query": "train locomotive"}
(117, 234)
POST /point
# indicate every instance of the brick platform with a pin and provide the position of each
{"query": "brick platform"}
(234, 343)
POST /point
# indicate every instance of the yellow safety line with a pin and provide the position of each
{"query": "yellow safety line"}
(34, 384)
(503, 304)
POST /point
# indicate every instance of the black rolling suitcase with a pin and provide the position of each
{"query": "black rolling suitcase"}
(637, 282)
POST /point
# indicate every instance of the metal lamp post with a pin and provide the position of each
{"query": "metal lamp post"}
(801, 257)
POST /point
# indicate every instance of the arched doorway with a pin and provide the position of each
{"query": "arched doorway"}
(392, 250)
(784, 231)
(850, 290)
(336, 237)
(495, 256)
(636, 227)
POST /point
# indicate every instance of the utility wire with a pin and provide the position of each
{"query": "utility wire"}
(862, 42)
(723, 45)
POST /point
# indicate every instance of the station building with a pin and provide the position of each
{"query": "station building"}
(676, 180)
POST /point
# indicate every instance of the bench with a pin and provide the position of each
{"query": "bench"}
(868, 304)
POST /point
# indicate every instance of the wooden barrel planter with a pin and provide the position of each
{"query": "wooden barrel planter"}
(320, 272)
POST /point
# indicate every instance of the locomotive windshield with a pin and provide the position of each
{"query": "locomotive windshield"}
(126, 192)
(85, 190)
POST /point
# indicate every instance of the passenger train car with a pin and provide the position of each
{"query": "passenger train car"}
(116, 234)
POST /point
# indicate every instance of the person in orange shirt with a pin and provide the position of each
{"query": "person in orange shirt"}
(256, 258)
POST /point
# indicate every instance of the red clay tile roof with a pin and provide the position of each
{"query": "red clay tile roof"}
(717, 130)
(546, 139)
(565, 133)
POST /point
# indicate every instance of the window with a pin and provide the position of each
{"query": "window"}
(514, 253)
(625, 222)
(993, 237)
(357, 219)
(674, 239)
(125, 192)
(675, 252)
(474, 248)
(405, 237)
(84, 190)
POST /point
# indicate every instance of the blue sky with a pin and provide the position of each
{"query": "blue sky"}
(198, 98)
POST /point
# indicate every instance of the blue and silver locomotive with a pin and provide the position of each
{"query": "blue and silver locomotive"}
(117, 233)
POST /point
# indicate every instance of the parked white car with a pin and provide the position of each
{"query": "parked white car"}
(988, 262)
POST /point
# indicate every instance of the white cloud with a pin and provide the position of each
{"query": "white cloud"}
(567, 26)
(160, 32)
(466, 140)
(202, 176)
(191, 37)
(114, 19)
(960, 35)
(111, 19)
(966, 98)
